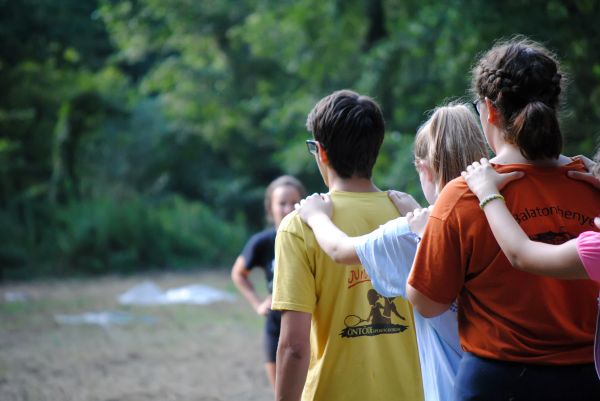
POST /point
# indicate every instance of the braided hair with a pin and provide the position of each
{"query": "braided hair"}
(523, 80)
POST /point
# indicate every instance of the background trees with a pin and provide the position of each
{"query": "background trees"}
(141, 134)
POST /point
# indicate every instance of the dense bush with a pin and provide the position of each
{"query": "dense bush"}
(107, 235)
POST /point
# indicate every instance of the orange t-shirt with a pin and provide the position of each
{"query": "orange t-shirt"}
(504, 313)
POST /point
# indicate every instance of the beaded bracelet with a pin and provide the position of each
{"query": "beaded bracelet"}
(490, 198)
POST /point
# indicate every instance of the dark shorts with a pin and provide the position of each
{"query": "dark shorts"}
(491, 380)
(272, 329)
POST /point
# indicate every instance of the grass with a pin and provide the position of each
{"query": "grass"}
(166, 352)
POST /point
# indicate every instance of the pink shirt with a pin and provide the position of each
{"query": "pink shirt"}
(588, 248)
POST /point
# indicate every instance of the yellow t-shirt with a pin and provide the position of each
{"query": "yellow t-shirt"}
(363, 346)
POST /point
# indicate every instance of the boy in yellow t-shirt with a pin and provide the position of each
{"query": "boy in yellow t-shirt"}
(339, 339)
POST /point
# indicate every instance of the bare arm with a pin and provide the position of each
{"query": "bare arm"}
(240, 277)
(560, 261)
(423, 304)
(316, 211)
(293, 355)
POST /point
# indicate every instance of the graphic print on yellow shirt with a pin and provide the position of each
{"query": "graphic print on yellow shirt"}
(379, 320)
(363, 345)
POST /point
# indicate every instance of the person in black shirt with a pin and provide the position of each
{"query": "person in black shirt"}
(280, 197)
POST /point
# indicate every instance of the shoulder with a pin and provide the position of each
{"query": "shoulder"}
(266, 235)
(455, 196)
(292, 224)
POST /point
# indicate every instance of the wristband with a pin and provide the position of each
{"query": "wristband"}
(490, 198)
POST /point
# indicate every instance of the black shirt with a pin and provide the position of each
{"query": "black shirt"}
(259, 251)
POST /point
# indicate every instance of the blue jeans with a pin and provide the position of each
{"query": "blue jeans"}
(491, 380)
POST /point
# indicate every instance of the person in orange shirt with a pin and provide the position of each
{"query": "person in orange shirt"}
(525, 336)
(578, 258)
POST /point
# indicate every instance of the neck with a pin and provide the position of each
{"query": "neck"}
(352, 184)
(508, 153)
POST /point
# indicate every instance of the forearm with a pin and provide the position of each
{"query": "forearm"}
(334, 241)
(561, 261)
(293, 355)
(239, 276)
(292, 368)
(507, 232)
(247, 290)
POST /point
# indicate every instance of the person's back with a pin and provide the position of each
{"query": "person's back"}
(357, 350)
(355, 355)
(542, 320)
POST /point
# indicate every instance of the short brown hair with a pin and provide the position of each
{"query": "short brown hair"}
(350, 128)
(449, 141)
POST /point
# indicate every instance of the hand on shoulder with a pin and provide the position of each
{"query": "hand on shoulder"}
(417, 220)
(404, 202)
(484, 181)
(313, 206)
(588, 176)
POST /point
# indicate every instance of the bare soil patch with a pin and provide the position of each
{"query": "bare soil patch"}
(172, 352)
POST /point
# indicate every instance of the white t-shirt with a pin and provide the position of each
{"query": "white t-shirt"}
(387, 255)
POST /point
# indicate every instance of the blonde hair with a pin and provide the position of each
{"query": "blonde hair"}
(282, 181)
(449, 141)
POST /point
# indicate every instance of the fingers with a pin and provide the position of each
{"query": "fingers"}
(403, 201)
(509, 177)
(585, 177)
(311, 199)
(589, 164)
(473, 166)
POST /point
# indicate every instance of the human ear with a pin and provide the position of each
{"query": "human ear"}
(322, 153)
(493, 115)
(426, 171)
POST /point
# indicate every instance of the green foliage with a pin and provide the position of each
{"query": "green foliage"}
(119, 119)
(108, 235)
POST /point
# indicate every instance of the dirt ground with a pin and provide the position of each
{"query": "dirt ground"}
(170, 352)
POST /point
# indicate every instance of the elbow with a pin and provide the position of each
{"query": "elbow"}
(423, 305)
(236, 277)
(515, 259)
(516, 262)
(337, 255)
(342, 259)
(427, 313)
(345, 255)
(294, 350)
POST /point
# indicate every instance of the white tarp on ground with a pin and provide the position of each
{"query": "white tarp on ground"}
(106, 318)
(148, 293)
